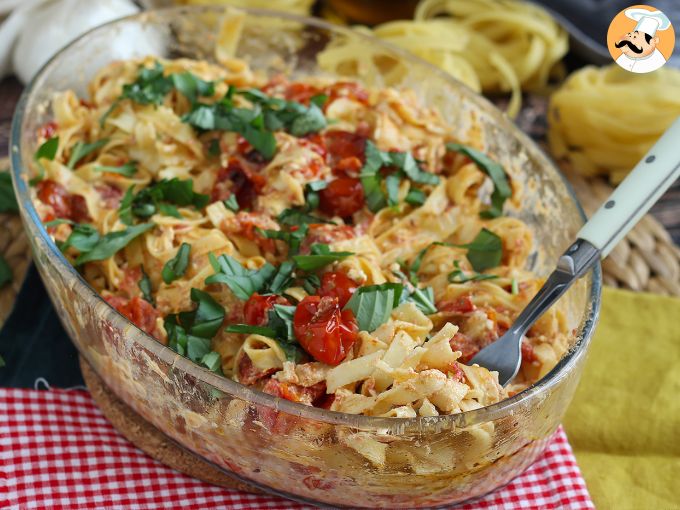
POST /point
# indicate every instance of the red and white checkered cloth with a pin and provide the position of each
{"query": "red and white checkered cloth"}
(58, 451)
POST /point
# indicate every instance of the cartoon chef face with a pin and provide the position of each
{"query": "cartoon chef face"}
(637, 44)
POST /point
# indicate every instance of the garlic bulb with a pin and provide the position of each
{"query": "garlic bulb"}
(50, 25)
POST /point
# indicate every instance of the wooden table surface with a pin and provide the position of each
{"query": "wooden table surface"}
(667, 210)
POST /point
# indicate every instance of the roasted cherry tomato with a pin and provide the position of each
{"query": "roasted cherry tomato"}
(326, 233)
(347, 89)
(55, 195)
(528, 354)
(337, 284)
(257, 306)
(240, 179)
(342, 197)
(249, 374)
(137, 310)
(463, 304)
(344, 144)
(323, 330)
(48, 130)
(301, 92)
(467, 346)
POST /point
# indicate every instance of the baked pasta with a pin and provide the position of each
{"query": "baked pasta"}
(326, 243)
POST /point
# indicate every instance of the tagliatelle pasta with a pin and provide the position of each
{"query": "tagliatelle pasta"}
(326, 243)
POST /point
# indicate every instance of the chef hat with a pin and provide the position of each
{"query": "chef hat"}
(648, 21)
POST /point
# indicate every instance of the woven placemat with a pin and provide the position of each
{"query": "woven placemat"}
(15, 249)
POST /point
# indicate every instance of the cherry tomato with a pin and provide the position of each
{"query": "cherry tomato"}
(344, 144)
(301, 92)
(528, 354)
(54, 194)
(348, 167)
(466, 345)
(240, 179)
(137, 310)
(463, 304)
(79, 212)
(316, 143)
(337, 284)
(323, 330)
(257, 306)
(342, 197)
(294, 392)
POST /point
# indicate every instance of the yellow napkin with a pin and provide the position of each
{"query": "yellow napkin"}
(624, 422)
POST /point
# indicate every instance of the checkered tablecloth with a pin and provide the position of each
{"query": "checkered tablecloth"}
(59, 452)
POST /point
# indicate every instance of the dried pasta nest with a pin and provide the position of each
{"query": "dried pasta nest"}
(647, 259)
(16, 251)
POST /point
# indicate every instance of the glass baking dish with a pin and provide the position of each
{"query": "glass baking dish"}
(312, 454)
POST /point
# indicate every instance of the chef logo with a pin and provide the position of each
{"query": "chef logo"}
(640, 39)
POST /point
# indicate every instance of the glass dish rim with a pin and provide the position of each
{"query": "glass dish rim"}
(233, 388)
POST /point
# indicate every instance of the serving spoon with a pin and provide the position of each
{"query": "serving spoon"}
(653, 175)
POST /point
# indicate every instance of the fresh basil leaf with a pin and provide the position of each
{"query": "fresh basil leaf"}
(261, 140)
(58, 221)
(320, 256)
(164, 196)
(208, 316)
(212, 361)
(177, 336)
(83, 238)
(311, 283)
(293, 238)
(370, 178)
(47, 150)
(109, 244)
(5, 272)
(282, 279)
(319, 100)
(373, 304)
(247, 329)
(127, 170)
(459, 276)
(294, 217)
(169, 210)
(310, 121)
(231, 203)
(502, 189)
(177, 266)
(197, 348)
(485, 251)
(423, 299)
(415, 197)
(191, 86)
(125, 207)
(281, 321)
(392, 182)
(81, 150)
(242, 282)
(144, 285)
(8, 202)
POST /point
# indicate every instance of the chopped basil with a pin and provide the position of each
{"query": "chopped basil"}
(107, 245)
(144, 285)
(177, 266)
(415, 197)
(83, 238)
(514, 287)
(485, 251)
(320, 256)
(242, 282)
(206, 319)
(5, 272)
(128, 169)
(8, 202)
(231, 203)
(214, 147)
(212, 361)
(191, 86)
(422, 298)
(417, 262)
(311, 283)
(296, 216)
(293, 238)
(247, 329)
(405, 165)
(372, 305)
(48, 150)
(458, 276)
(282, 278)
(163, 197)
(501, 191)
(81, 150)
(58, 221)
(319, 100)
(125, 207)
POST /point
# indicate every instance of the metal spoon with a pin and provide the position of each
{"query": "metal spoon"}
(653, 175)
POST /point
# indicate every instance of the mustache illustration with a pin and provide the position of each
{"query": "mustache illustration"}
(626, 42)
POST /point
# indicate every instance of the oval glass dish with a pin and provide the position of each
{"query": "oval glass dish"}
(418, 462)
